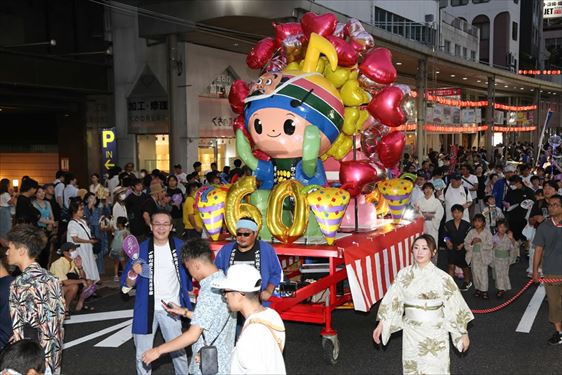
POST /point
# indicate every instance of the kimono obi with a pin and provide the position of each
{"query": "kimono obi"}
(501, 253)
(423, 309)
(476, 247)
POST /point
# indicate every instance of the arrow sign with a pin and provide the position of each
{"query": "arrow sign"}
(108, 148)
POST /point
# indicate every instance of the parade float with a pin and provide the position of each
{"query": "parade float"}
(324, 103)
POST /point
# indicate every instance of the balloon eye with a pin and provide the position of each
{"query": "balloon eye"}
(289, 127)
(257, 126)
(259, 81)
(268, 82)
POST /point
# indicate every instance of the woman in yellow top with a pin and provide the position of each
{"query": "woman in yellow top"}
(191, 220)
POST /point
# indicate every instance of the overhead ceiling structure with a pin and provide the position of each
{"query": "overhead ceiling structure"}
(237, 25)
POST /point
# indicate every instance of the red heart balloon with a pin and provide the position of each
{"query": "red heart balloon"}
(261, 53)
(378, 66)
(355, 174)
(390, 148)
(386, 106)
(346, 54)
(283, 30)
(238, 92)
(324, 24)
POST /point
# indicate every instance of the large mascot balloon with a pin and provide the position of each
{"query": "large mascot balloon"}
(293, 117)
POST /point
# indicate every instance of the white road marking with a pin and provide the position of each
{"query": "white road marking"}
(530, 314)
(117, 339)
(97, 317)
(92, 336)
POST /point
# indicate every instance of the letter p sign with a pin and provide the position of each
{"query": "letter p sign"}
(107, 136)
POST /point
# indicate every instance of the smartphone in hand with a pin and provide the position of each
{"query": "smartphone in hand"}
(167, 304)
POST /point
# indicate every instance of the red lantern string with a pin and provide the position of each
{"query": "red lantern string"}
(473, 104)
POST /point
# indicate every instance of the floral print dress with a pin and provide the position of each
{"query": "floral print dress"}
(36, 300)
(427, 305)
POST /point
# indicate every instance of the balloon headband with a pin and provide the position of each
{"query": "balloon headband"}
(246, 224)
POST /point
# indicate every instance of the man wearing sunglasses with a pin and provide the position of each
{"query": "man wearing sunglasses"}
(248, 250)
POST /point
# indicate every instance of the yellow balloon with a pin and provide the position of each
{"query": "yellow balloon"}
(288, 188)
(397, 192)
(328, 205)
(211, 210)
(235, 207)
(295, 65)
(340, 147)
(337, 77)
(319, 45)
(353, 120)
(352, 94)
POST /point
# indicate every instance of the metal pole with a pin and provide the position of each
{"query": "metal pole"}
(490, 117)
(421, 84)
(172, 43)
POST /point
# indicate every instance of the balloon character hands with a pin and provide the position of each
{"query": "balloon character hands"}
(310, 150)
(245, 150)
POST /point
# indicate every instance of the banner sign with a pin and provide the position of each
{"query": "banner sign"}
(447, 91)
(552, 9)
(108, 148)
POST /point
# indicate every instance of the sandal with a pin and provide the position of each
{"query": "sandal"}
(87, 308)
(500, 293)
(485, 295)
(66, 315)
(477, 293)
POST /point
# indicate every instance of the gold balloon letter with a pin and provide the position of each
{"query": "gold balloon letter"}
(275, 211)
(236, 209)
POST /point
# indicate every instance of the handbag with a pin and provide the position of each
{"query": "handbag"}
(209, 356)
(96, 247)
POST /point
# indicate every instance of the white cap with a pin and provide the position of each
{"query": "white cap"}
(240, 278)
(510, 168)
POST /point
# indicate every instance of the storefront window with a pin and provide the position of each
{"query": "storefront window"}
(153, 152)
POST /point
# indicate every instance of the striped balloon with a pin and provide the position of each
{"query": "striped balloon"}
(211, 210)
(397, 192)
(328, 206)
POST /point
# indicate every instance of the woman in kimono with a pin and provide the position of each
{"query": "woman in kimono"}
(427, 305)
(479, 244)
(432, 210)
(504, 253)
(79, 233)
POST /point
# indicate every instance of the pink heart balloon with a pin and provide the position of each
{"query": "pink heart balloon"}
(355, 174)
(378, 66)
(390, 148)
(283, 30)
(261, 53)
(346, 54)
(238, 92)
(386, 107)
(324, 24)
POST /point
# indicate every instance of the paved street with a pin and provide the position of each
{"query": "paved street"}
(496, 347)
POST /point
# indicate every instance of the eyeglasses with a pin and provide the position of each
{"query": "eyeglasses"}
(243, 234)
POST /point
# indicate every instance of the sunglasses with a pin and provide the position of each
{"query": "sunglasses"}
(243, 234)
(225, 292)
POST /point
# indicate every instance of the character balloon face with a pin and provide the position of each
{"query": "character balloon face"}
(281, 107)
(280, 133)
(266, 84)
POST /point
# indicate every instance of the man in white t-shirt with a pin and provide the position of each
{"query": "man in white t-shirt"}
(470, 182)
(456, 193)
(259, 349)
(59, 187)
(70, 191)
(167, 282)
(181, 175)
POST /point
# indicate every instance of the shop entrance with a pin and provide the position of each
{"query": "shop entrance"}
(153, 152)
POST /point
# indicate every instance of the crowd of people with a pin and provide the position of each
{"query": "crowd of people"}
(478, 214)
